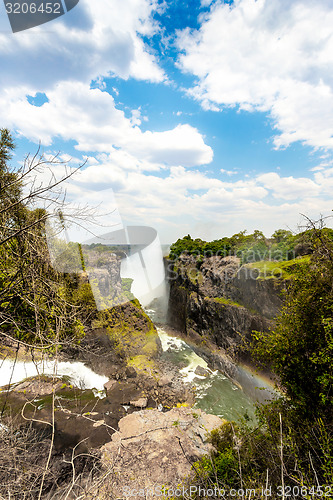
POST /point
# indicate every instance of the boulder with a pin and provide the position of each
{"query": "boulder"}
(140, 403)
(108, 386)
(201, 371)
(38, 386)
(154, 449)
(165, 380)
(130, 372)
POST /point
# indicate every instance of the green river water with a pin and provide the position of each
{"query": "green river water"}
(215, 393)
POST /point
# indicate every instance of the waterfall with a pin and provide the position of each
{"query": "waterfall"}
(80, 375)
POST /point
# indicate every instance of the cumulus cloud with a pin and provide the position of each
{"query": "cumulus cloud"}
(91, 118)
(216, 207)
(181, 200)
(94, 39)
(273, 56)
(289, 188)
(258, 55)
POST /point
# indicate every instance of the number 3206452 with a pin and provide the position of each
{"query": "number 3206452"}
(296, 491)
(33, 8)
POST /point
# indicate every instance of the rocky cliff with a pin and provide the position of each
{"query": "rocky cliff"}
(217, 303)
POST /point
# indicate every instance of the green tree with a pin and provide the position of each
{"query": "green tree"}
(36, 303)
(300, 348)
(281, 235)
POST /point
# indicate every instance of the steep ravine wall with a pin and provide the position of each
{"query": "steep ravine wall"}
(217, 303)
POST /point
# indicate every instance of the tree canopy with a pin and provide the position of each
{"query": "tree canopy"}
(38, 305)
(300, 348)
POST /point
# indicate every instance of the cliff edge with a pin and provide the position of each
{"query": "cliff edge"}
(217, 303)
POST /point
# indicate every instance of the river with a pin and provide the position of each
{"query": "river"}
(215, 393)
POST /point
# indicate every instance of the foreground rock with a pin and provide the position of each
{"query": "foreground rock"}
(154, 449)
(148, 448)
(80, 416)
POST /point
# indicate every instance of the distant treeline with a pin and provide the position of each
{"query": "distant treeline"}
(282, 245)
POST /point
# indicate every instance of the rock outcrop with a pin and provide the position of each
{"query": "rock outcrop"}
(103, 274)
(121, 342)
(153, 450)
(217, 303)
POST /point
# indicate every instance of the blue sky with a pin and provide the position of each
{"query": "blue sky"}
(203, 117)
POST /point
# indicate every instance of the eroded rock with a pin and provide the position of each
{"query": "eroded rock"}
(140, 403)
(109, 385)
(219, 305)
(201, 371)
(152, 449)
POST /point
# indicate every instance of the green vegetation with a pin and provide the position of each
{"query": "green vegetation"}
(223, 300)
(300, 348)
(293, 442)
(41, 305)
(142, 363)
(281, 246)
(47, 304)
(132, 333)
(37, 303)
(283, 269)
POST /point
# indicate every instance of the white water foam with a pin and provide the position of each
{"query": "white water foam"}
(215, 393)
(193, 360)
(189, 371)
(169, 342)
(80, 375)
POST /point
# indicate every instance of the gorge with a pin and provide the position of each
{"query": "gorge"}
(192, 358)
(95, 396)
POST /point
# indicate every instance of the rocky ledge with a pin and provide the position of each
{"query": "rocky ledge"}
(113, 438)
(123, 345)
(153, 450)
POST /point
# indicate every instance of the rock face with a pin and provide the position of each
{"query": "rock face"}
(148, 442)
(121, 341)
(103, 271)
(218, 303)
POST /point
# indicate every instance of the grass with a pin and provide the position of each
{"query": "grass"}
(225, 301)
(229, 302)
(285, 269)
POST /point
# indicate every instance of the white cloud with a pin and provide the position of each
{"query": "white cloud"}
(206, 3)
(90, 117)
(228, 172)
(289, 188)
(136, 117)
(267, 55)
(95, 39)
(182, 199)
(189, 201)
(186, 199)
(263, 55)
